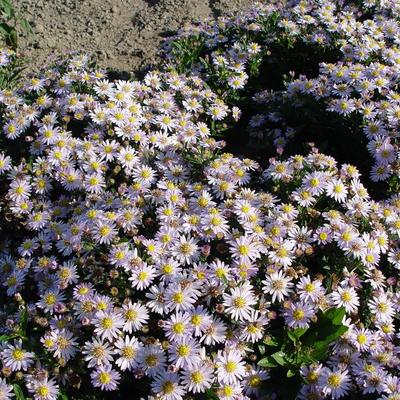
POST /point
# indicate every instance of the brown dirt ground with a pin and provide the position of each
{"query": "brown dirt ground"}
(124, 34)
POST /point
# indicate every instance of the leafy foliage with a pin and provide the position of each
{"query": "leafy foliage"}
(286, 352)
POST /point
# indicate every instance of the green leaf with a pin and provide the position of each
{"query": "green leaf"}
(320, 351)
(5, 29)
(26, 26)
(19, 394)
(336, 315)
(211, 395)
(13, 39)
(5, 338)
(324, 332)
(267, 362)
(261, 349)
(336, 334)
(279, 357)
(23, 322)
(62, 396)
(290, 373)
(295, 334)
(7, 8)
(271, 341)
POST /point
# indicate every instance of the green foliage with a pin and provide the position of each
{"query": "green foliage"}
(10, 21)
(62, 396)
(10, 75)
(286, 352)
(19, 394)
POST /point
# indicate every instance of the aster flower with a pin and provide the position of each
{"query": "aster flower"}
(65, 345)
(43, 389)
(345, 297)
(152, 360)
(108, 324)
(238, 303)
(143, 276)
(230, 367)
(167, 386)
(308, 289)
(5, 390)
(186, 250)
(283, 253)
(128, 350)
(185, 353)
(97, 352)
(15, 357)
(143, 191)
(245, 249)
(134, 315)
(335, 383)
(252, 329)
(278, 285)
(105, 378)
(381, 307)
(199, 378)
(299, 315)
(215, 332)
(254, 379)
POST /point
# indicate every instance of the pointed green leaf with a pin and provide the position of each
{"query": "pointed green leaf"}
(267, 362)
(279, 357)
(296, 334)
(19, 394)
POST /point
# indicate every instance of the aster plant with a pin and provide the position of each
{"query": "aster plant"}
(303, 71)
(139, 257)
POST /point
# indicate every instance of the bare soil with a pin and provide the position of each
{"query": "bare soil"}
(123, 34)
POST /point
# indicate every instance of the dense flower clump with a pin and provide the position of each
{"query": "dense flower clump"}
(137, 256)
(355, 48)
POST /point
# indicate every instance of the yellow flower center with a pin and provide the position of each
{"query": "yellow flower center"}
(282, 252)
(168, 387)
(128, 352)
(323, 236)
(178, 297)
(361, 338)
(143, 275)
(230, 367)
(131, 315)
(243, 250)
(197, 377)
(196, 319)
(98, 352)
(185, 248)
(298, 314)
(239, 302)
(178, 328)
(254, 381)
(334, 380)
(50, 299)
(104, 378)
(18, 354)
(309, 287)
(43, 391)
(346, 296)
(167, 269)
(151, 360)
(280, 168)
(106, 323)
(183, 350)
(312, 377)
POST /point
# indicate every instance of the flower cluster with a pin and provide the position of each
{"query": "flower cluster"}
(137, 255)
(356, 50)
